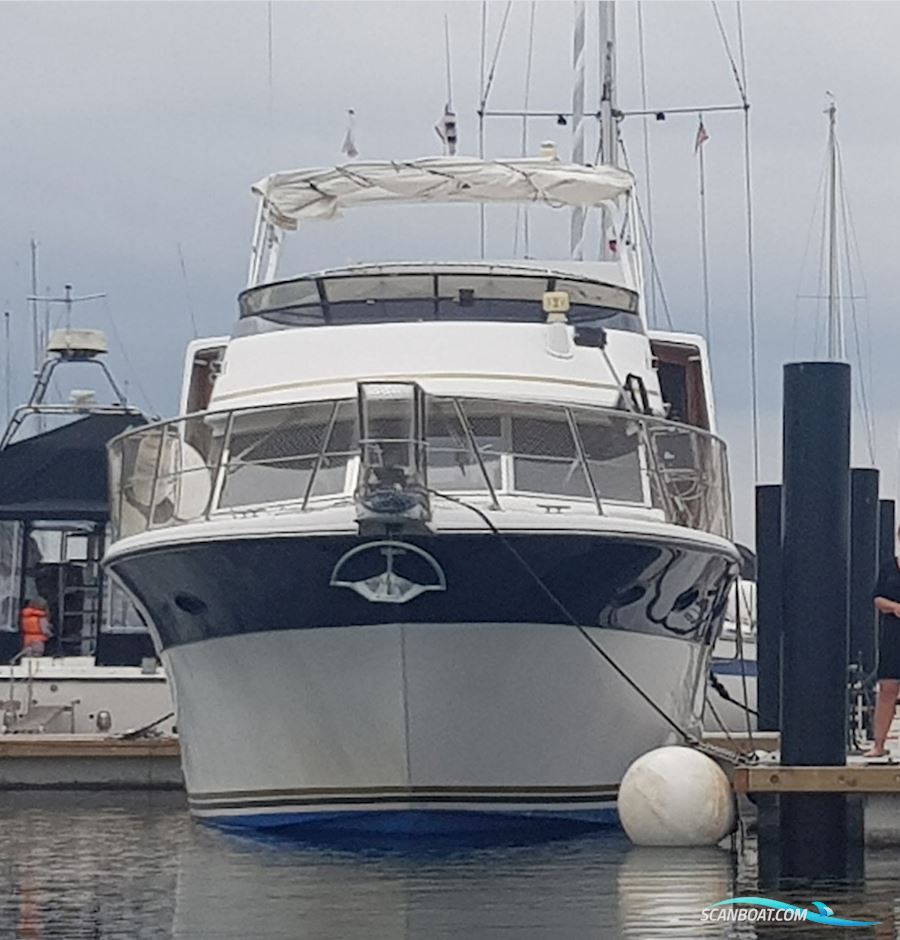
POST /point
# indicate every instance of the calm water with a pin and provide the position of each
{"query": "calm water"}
(99, 865)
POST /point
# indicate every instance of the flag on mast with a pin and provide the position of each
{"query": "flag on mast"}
(702, 136)
(446, 129)
(349, 145)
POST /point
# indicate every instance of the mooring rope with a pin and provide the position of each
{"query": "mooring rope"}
(561, 607)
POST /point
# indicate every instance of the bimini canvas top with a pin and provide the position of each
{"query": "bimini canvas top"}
(297, 195)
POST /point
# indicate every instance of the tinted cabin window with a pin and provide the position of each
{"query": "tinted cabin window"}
(422, 297)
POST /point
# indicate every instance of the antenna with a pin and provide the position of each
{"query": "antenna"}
(67, 300)
(36, 338)
(449, 65)
(8, 364)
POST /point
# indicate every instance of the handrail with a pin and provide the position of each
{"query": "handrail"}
(692, 492)
(224, 413)
(12, 683)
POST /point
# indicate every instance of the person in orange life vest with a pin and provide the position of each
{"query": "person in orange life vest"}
(35, 627)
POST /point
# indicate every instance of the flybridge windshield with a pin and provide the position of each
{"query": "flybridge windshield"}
(427, 295)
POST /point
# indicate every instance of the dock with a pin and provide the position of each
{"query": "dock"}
(89, 762)
(876, 784)
(853, 778)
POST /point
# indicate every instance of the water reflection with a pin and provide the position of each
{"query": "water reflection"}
(662, 891)
(105, 865)
(89, 865)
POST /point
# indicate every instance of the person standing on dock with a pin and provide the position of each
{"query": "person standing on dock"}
(887, 603)
(35, 627)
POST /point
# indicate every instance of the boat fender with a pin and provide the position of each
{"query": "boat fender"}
(676, 796)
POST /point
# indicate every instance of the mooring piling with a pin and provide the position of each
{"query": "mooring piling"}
(887, 526)
(768, 606)
(818, 837)
(864, 524)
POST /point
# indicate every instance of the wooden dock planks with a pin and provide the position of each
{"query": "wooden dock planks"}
(863, 778)
(78, 746)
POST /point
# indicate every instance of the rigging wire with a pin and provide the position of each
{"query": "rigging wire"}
(648, 187)
(524, 142)
(704, 248)
(818, 200)
(740, 79)
(741, 48)
(489, 81)
(862, 396)
(651, 254)
(567, 614)
(486, 85)
(187, 291)
(739, 648)
(119, 342)
(751, 292)
(654, 267)
(820, 286)
(707, 704)
(740, 82)
(865, 289)
(481, 80)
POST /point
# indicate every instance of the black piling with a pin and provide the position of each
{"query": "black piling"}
(864, 521)
(815, 562)
(768, 607)
(887, 526)
(819, 838)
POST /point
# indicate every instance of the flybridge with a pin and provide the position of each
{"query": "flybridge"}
(289, 198)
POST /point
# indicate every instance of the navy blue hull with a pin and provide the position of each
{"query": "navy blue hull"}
(416, 823)
(196, 592)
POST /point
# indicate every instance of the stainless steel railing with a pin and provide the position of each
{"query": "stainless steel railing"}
(305, 455)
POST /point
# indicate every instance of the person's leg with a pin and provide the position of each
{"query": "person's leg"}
(885, 706)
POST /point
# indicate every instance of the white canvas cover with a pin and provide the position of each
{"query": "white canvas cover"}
(297, 195)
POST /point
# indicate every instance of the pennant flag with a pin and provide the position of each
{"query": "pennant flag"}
(446, 129)
(702, 137)
(349, 145)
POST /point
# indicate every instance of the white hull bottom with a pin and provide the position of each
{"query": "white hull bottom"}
(414, 728)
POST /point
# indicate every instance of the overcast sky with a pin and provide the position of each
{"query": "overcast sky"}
(132, 129)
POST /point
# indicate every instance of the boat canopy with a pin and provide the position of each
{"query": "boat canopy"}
(300, 195)
(62, 473)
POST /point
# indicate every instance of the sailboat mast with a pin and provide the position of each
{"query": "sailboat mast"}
(607, 44)
(576, 235)
(606, 11)
(835, 312)
(606, 28)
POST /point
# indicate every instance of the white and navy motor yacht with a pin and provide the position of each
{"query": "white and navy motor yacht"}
(422, 518)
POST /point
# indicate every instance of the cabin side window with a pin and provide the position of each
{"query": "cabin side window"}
(10, 573)
(682, 382)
